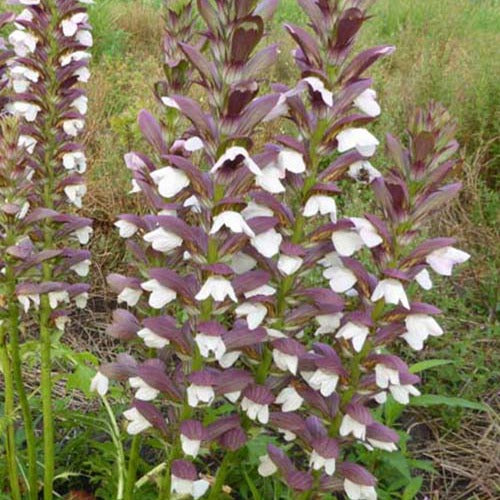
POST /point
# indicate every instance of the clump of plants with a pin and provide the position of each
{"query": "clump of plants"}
(257, 306)
(256, 303)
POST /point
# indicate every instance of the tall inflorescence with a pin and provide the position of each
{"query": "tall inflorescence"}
(224, 277)
(46, 262)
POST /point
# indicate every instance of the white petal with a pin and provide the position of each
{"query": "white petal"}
(267, 243)
(346, 242)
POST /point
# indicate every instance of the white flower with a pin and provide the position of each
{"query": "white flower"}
(292, 161)
(354, 332)
(170, 181)
(22, 76)
(255, 210)
(266, 466)
(289, 264)
(318, 86)
(61, 322)
(382, 445)
(318, 462)
(226, 361)
(419, 327)
(341, 278)
(392, 291)
(443, 259)
(27, 142)
(137, 423)
(130, 296)
(231, 154)
(162, 240)
(81, 104)
(367, 232)
(233, 221)
(75, 193)
(29, 2)
(363, 171)
(210, 344)
(255, 411)
(56, 297)
(70, 26)
(270, 179)
(289, 399)
(81, 268)
(267, 243)
(186, 487)
(75, 160)
(190, 447)
(358, 138)
(82, 74)
(81, 300)
(84, 37)
(83, 234)
(321, 204)
(285, 362)
(25, 301)
(78, 55)
(200, 393)
(328, 323)
(193, 203)
(218, 288)
(423, 278)
(25, 109)
(145, 392)
(24, 43)
(351, 426)
(401, 393)
(160, 295)
(266, 290)
(319, 380)
(254, 312)
(384, 376)
(346, 242)
(241, 263)
(151, 339)
(367, 102)
(99, 384)
(126, 229)
(73, 126)
(359, 491)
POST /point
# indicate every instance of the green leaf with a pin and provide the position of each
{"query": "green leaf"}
(428, 364)
(251, 485)
(80, 379)
(397, 461)
(435, 399)
(412, 489)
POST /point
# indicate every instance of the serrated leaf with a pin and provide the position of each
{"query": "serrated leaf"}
(454, 402)
(412, 489)
(428, 364)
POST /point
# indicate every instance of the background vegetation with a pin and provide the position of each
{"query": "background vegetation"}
(447, 50)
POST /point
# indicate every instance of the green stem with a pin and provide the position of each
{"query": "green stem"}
(10, 442)
(132, 467)
(29, 432)
(46, 391)
(115, 436)
(220, 478)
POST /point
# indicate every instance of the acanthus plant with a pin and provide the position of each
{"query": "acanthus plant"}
(224, 271)
(43, 260)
